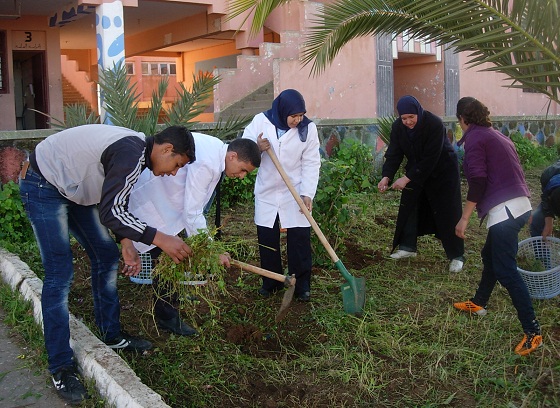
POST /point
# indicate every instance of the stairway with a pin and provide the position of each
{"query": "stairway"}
(71, 96)
(257, 102)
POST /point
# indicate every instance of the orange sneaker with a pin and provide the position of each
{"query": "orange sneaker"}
(470, 307)
(530, 342)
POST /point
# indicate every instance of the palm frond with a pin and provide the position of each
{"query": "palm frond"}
(231, 128)
(260, 8)
(119, 97)
(384, 126)
(148, 122)
(75, 114)
(191, 103)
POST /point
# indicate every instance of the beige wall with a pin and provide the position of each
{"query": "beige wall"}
(489, 88)
(346, 90)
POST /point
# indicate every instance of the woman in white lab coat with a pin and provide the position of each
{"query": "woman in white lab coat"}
(293, 137)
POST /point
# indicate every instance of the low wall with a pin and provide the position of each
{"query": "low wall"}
(16, 145)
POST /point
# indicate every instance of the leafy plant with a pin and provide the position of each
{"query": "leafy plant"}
(384, 126)
(234, 191)
(230, 128)
(348, 170)
(530, 154)
(121, 99)
(15, 226)
(204, 263)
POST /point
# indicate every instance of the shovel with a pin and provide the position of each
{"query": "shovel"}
(354, 290)
(289, 282)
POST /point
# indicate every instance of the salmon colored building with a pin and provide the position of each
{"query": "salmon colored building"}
(51, 53)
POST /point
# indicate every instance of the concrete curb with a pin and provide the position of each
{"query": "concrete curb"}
(114, 379)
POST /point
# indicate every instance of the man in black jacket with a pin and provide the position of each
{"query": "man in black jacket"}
(78, 182)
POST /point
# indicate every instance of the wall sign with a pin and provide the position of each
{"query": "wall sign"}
(28, 40)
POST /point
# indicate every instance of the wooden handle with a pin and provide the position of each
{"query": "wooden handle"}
(264, 272)
(301, 204)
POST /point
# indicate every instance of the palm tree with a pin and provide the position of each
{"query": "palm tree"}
(519, 38)
(121, 100)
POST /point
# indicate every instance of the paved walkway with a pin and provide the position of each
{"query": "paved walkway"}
(115, 381)
(21, 383)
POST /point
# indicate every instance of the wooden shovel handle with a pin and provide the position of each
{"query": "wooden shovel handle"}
(301, 204)
(264, 272)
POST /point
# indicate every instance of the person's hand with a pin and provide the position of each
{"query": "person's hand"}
(263, 143)
(547, 230)
(461, 228)
(225, 259)
(383, 185)
(132, 264)
(401, 183)
(308, 202)
(173, 246)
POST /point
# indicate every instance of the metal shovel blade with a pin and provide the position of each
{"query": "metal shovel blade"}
(286, 302)
(354, 295)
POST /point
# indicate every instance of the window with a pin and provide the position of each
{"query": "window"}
(159, 68)
(3, 63)
(129, 68)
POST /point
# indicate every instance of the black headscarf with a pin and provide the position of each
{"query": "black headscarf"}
(409, 105)
(288, 103)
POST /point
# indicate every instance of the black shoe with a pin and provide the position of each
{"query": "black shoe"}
(129, 343)
(69, 386)
(304, 297)
(176, 325)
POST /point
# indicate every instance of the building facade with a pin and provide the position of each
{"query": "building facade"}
(49, 47)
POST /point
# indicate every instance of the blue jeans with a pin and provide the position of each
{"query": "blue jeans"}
(537, 222)
(54, 218)
(500, 265)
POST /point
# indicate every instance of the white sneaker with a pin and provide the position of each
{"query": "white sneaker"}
(456, 266)
(403, 254)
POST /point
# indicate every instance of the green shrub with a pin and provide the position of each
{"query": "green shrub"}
(349, 170)
(530, 154)
(234, 191)
(15, 226)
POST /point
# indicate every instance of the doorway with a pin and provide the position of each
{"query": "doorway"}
(30, 89)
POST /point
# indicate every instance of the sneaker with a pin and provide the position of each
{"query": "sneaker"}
(401, 253)
(304, 297)
(470, 307)
(176, 326)
(456, 266)
(530, 342)
(129, 343)
(69, 386)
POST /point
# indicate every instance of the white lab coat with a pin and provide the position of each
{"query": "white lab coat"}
(300, 160)
(175, 203)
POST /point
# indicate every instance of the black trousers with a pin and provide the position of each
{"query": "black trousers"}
(298, 251)
(165, 303)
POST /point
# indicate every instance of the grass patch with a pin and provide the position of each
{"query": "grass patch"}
(410, 348)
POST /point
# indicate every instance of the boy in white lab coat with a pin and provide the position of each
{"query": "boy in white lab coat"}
(177, 203)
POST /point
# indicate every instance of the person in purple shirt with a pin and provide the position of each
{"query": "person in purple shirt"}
(498, 191)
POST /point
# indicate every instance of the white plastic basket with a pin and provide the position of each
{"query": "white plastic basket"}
(541, 284)
(145, 275)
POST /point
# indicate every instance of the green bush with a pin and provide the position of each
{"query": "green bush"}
(234, 191)
(349, 170)
(530, 154)
(15, 226)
